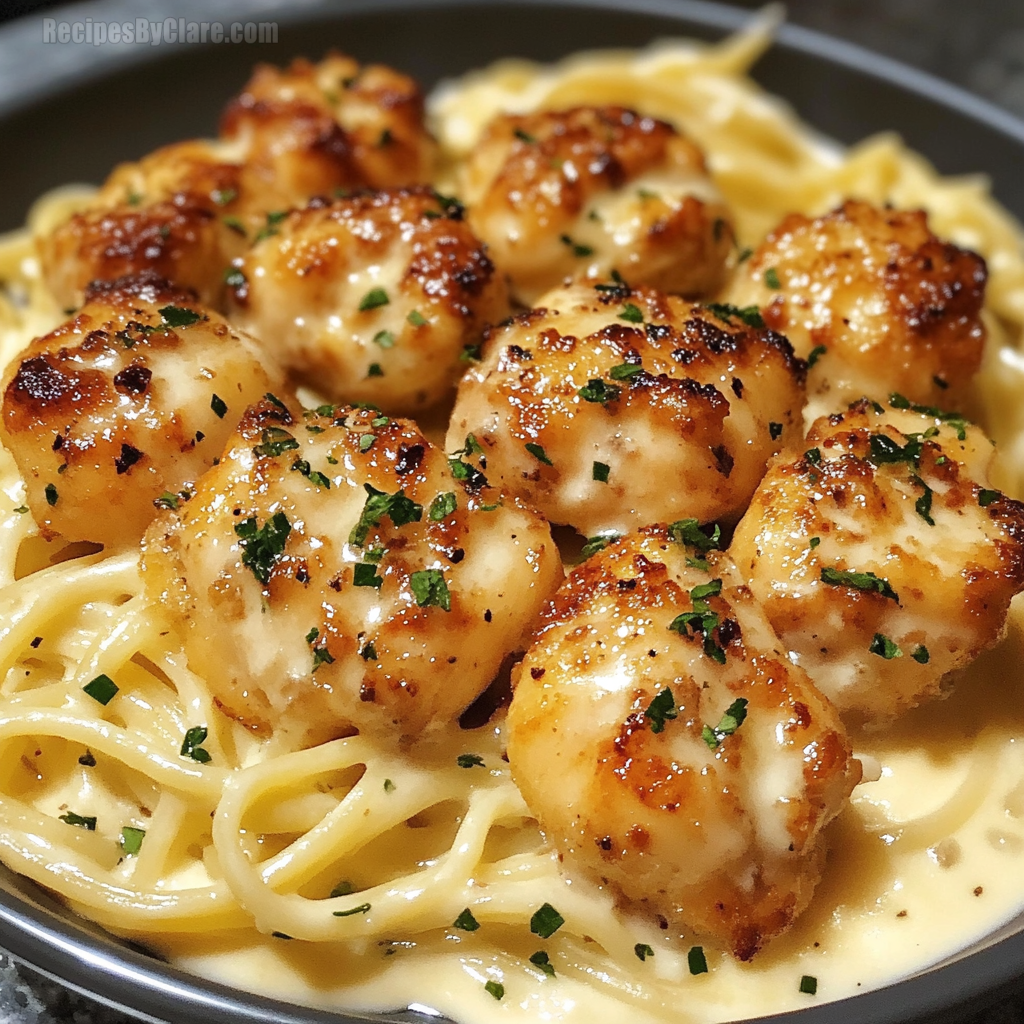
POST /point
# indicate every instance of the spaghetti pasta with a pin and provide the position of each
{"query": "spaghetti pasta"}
(354, 875)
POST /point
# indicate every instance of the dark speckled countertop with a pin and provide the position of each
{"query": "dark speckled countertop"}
(978, 45)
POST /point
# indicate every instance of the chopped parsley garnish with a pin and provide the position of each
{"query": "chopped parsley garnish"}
(223, 196)
(429, 588)
(190, 746)
(466, 922)
(102, 689)
(369, 652)
(219, 406)
(389, 786)
(600, 472)
(81, 820)
(275, 442)
(365, 575)
(775, 431)
(733, 718)
(577, 249)
(314, 476)
(546, 921)
(363, 908)
(631, 312)
(744, 255)
(642, 951)
(443, 505)
(21, 510)
(867, 581)
(771, 278)
(697, 961)
(885, 450)
(397, 507)
(884, 647)
(813, 542)
(274, 400)
(923, 505)
(954, 419)
(343, 888)
(469, 761)
(660, 710)
(749, 315)
(235, 224)
(624, 371)
(538, 453)
(416, 318)
(985, 497)
(262, 546)
(599, 543)
(274, 217)
(813, 456)
(921, 655)
(646, 193)
(131, 840)
(688, 531)
(51, 495)
(597, 390)
(702, 620)
(312, 634)
(543, 961)
(470, 354)
(815, 354)
(385, 339)
(166, 500)
(809, 985)
(178, 316)
(373, 299)
(496, 989)
(366, 441)
(466, 473)
(524, 136)
(322, 656)
(234, 278)
(375, 370)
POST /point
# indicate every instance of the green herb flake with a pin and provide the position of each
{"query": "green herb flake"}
(660, 710)
(166, 500)
(262, 546)
(178, 316)
(365, 575)
(466, 922)
(815, 354)
(219, 406)
(51, 495)
(375, 370)
(809, 985)
(322, 656)
(543, 961)
(469, 761)
(366, 441)
(389, 786)
(274, 400)
(81, 820)
(866, 581)
(646, 193)
(884, 450)
(385, 339)
(314, 476)
(343, 888)
(190, 746)
(429, 588)
(771, 278)
(496, 989)
(631, 312)
(813, 542)
(953, 419)
(223, 196)
(921, 655)
(577, 249)
(600, 472)
(524, 136)
(276, 441)
(373, 299)
(813, 456)
(397, 507)
(642, 951)
(985, 497)
(416, 318)
(597, 390)
(102, 689)
(546, 921)
(369, 652)
(775, 431)
(599, 543)
(884, 647)
(234, 277)
(235, 225)
(624, 371)
(733, 718)
(697, 961)
(688, 531)
(744, 255)
(21, 510)
(363, 908)
(923, 505)
(442, 506)
(131, 840)
(470, 354)
(749, 315)
(538, 453)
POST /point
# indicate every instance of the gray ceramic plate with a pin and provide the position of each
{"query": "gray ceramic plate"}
(68, 113)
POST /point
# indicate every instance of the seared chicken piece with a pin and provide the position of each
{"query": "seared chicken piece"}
(124, 406)
(168, 214)
(373, 298)
(609, 408)
(309, 129)
(873, 300)
(668, 747)
(334, 575)
(881, 556)
(595, 189)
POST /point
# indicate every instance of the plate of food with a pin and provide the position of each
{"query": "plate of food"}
(512, 523)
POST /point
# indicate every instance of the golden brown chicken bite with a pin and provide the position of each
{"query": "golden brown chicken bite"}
(372, 298)
(124, 406)
(332, 574)
(873, 300)
(881, 556)
(609, 408)
(668, 747)
(169, 214)
(595, 189)
(309, 129)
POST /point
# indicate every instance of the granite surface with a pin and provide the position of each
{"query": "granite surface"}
(978, 45)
